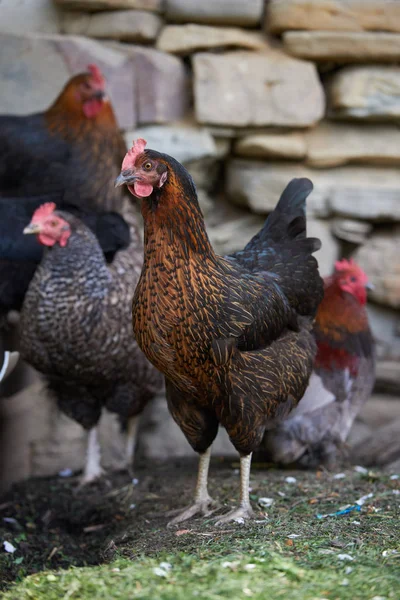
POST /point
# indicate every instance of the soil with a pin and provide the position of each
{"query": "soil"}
(54, 524)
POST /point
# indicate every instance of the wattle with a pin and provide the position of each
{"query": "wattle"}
(91, 108)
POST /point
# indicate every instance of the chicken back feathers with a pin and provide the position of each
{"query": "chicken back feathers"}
(344, 375)
(75, 325)
(230, 342)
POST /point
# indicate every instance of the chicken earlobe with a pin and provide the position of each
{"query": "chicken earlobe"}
(202, 499)
(244, 511)
(92, 470)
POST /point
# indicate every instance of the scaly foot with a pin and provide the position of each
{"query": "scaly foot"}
(90, 477)
(202, 507)
(243, 512)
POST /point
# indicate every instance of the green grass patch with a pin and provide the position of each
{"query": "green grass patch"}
(115, 544)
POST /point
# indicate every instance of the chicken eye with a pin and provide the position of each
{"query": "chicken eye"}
(353, 279)
(54, 223)
(148, 166)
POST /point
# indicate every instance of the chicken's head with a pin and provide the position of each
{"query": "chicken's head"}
(48, 226)
(351, 279)
(142, 170)
(86, 93)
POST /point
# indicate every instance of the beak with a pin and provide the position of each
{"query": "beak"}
(32, 228)
(125, 178)
(99, 95)
(369, 286)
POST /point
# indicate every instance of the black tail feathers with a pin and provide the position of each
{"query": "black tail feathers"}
(288, 220)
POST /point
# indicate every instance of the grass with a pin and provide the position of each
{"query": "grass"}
(262, 560)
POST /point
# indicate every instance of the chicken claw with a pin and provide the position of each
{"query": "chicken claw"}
(202, 499)
(237, 514)
(201, 507)
(244, 511)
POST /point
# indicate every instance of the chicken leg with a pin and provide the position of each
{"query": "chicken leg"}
(244, 511)
(131, 435)
(202, 499)
(92, 468)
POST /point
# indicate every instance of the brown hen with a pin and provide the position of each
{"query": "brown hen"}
(232, 335)
(342, 381)
(73, 151)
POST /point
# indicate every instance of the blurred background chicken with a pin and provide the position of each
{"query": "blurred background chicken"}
(342, 380)
(58, 156)
(62, 151)
(75, 328)
(232, 335)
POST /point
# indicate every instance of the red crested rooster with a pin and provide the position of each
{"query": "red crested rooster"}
(72, 151)
(233, 336)
(74, 327)
(343, 377)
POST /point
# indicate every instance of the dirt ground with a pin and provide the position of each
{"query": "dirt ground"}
(54, 525)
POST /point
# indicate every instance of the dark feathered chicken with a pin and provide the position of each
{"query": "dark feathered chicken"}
(72, 151)
(75, 327)
(20, 254)
(232, 335)
(343, 378)
(69, 154)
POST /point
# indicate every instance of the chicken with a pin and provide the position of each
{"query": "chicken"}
(10, 360)
(342, 381)
(74, 328)
(20, 255)
(62, 151)
(231, 335)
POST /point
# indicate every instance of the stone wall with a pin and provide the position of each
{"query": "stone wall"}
(247, 95)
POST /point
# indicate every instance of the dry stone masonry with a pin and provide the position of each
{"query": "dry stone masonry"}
(247, 94)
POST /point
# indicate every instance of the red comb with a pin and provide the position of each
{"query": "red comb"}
(43, 211)
(343, 265)
(132, 154)
(96, 74)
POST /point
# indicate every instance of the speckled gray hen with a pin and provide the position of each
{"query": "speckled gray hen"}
(75, 326)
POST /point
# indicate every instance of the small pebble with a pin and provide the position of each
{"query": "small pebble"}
(290, 479)
(65, 473)
(389, 552)
(393, 477)
(363, 499)
(239, 520)
(339, 476)
(348, 570)
(160, 572)
(135, 481)
(362, 470)
(8, 547)
(265, 502)
(345, 557)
